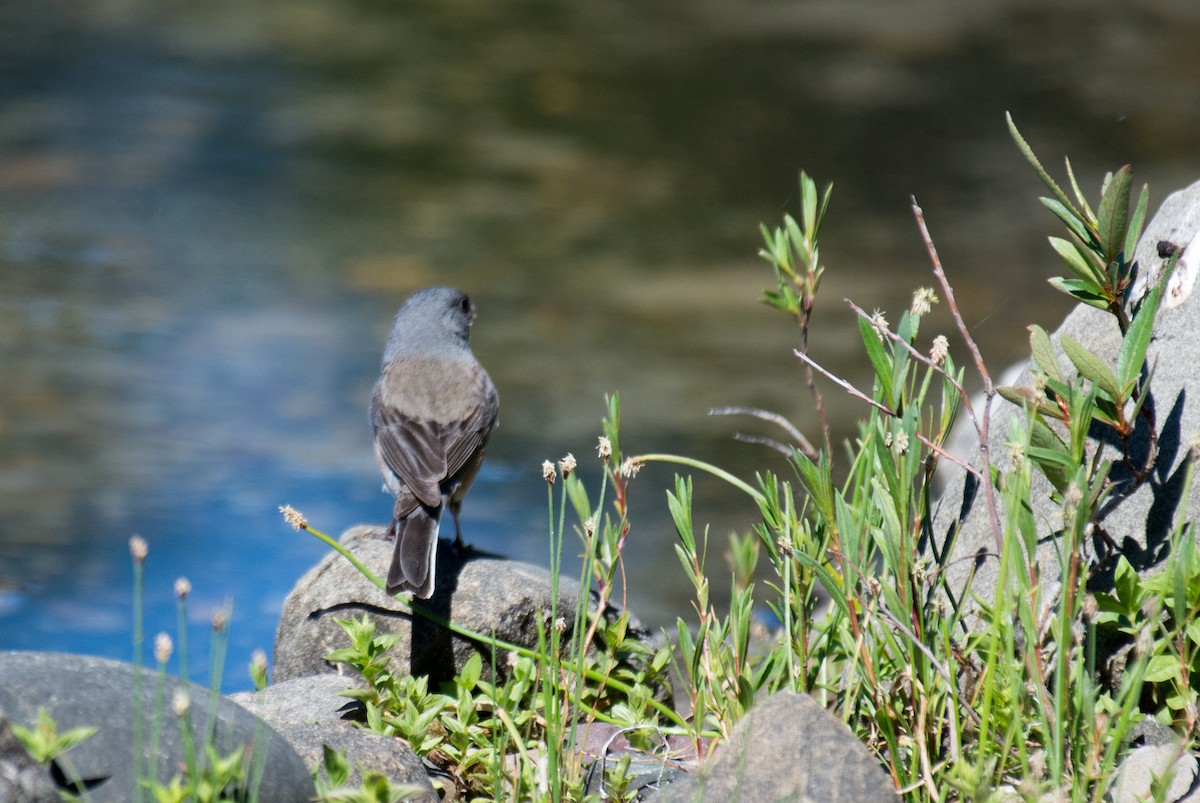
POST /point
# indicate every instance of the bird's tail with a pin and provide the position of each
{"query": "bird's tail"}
(414, 558)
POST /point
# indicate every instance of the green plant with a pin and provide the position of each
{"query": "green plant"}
(960, 695)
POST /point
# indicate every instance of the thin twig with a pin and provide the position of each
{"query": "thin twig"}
(843, 384)
(761, 440)
(858, 394)
(982, 428)
(774, 418)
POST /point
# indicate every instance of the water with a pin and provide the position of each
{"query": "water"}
(208, 215)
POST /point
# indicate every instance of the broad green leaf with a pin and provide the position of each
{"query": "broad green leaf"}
(1083, 267)
(1162, 668)
(1126, 585)
(1112, 219)
(1091, 367)
(1043, 353)
(1047, 449)
(1080, 291)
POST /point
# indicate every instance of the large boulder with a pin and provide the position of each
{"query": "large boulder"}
(1141, 522)
(481, 593)
(80, 691)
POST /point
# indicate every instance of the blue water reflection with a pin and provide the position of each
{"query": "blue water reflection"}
(208, 215)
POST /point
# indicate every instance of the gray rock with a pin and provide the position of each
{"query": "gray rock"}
(79, 691)
(22, 780)
(1140, 523)
(787, 748)
(1141, 768)
(309, 713)
(1151, 733)
(482, 593)
(310, 700)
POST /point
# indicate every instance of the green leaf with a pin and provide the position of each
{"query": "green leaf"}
(1112, 219)
(1127, 586)
(471, 671)
(808, 203)
(1162, 668)
(336, 765)
(1050, 453)
(1132, 354)
(1135, 223)
(878, 357)
(1079, 262)
(1043, 353)
(1088, 214)
(1027, 397)
(1091, 367)
(76, 736)
(1071, 218)
(1080, 291)
(1030, 157)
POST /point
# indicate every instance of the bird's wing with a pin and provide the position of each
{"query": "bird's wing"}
(424, 453)
(412, 450)
(462, 439)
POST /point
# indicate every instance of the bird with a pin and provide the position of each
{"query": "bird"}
(432, 412)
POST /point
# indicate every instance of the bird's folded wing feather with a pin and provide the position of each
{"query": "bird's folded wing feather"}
(423, 453)
(464, 438)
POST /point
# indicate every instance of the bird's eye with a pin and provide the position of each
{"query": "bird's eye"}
(465, 304)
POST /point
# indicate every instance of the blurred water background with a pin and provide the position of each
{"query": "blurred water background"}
(209, 213)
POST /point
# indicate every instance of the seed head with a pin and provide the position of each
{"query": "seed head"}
(941, 347)
(294, 517)
(880, 323)
(548, 472)
(220, 620)
(631, 467)
(138, 549)
(258, 660)
(162, 648)
(180, 702)
(604, 448)
(567, 465)
(183, 587)
(923, 301)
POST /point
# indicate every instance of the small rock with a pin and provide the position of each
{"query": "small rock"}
(1144, 765)
(787, 748)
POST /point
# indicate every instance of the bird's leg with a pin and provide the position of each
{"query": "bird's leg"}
(458, 542)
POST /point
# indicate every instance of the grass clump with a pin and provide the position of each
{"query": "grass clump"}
(962, 694)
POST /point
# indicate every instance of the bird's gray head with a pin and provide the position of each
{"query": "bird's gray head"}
(432, 319)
